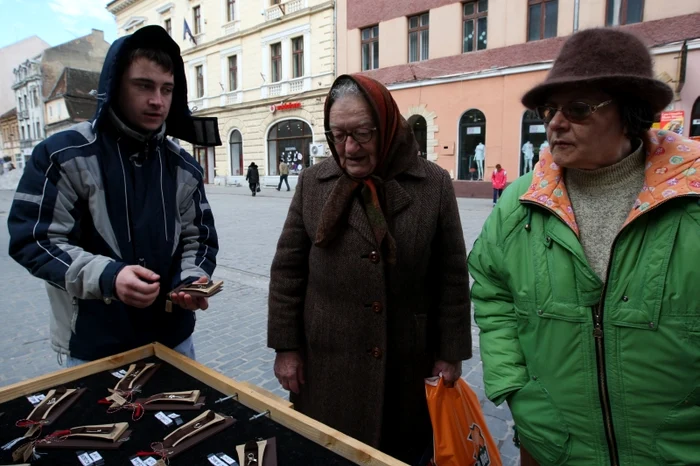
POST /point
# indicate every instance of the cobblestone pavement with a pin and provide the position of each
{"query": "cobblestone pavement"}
(230, 337)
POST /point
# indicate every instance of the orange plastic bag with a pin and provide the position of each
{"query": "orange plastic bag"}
(460, 434)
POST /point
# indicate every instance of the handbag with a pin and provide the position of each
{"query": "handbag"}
(258, 188)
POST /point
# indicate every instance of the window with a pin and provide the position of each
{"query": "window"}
(298, 57)
(233, 73)
(542, 19)
(35, 95)
(50, 110)
(168, 25)
(289, 140)
(370, 48)
(418, 37)
(38, 130)
(230, 10)
(197, 19)
(619, 12)
(199, 72)
(23, 133)
(236, 152)
(26, 106)
(276, 62)
(474, 26)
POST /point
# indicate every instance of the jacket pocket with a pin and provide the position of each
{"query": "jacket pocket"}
(678, 438)
(540, 427)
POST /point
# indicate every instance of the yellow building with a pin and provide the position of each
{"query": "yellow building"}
(9, 138)
(263, 68)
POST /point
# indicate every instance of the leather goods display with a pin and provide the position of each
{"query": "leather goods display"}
(135, 378)
(97, 437)
(57, 401)
(197, 430)
(260, 453)
(173, 401)
(198, 290)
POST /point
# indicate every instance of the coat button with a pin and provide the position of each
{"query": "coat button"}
(377, 307)
(374, 257)
(376, 353)
(625, 298)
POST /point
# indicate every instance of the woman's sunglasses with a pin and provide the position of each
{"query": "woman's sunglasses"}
(575, 112)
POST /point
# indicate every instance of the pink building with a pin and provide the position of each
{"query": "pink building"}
(458, 69)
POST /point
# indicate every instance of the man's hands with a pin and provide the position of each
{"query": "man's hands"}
(289, 370)
(450, 371)
(137, 286)
(189, 302)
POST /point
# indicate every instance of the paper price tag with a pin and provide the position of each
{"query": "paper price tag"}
(213, 459)
(96, 457)
(160, 415)
(173, 415)
(150, 461)
(36, 399)
(230, 461)
(136, 461)
(85, 459)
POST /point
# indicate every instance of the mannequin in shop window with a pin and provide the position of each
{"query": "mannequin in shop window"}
(528, 155)
(479, 156)
(543, 146)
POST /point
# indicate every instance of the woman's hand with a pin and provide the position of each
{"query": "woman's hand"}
(450, 371)
(289, 370)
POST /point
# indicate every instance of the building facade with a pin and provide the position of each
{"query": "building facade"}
(72, 100)
(9, 57)
(35, 79)
(459, 68)
(262, 67)
(9, 138)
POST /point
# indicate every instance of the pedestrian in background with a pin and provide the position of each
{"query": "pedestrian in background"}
(586, 272)
(253, 178)
(284, 173)
(369, 286)
(499, 178)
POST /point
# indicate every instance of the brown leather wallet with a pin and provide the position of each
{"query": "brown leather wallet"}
(98, 437)
(197, 430)
(198, 290)
(173, 401)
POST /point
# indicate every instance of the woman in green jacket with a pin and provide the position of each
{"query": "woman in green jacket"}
(587, 273)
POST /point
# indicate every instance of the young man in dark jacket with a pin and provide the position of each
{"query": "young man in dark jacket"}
(113, 215)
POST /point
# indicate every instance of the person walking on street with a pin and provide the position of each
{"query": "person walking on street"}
(586, 272)
(284, 174)
(113, 215)
(499, 178)
(253, 177)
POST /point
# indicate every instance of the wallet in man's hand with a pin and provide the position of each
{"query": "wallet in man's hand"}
(197, 290)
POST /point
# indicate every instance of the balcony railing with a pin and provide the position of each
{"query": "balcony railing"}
(296, 86)
(231, 98)
(284, 8)
(23, 115)
(274, 90)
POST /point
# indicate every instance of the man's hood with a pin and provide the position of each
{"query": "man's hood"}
(180, 122)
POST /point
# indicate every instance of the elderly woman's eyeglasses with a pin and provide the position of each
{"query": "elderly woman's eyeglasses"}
(360, 135)
(575, 112)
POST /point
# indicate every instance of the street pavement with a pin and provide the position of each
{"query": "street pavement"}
(230, 336)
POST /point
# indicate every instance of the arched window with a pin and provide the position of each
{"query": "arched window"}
(420, 130)
(472, 132)
(289, 140)
(532, 139)
(235, 144)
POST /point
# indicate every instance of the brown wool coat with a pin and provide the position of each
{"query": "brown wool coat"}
(364, 327)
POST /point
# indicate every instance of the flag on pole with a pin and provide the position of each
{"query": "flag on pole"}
(188, 32)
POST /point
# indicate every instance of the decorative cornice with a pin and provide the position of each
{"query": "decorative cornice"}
(118, 5)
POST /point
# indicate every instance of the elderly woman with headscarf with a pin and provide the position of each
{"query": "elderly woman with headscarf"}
(586, 273)
(369, 286)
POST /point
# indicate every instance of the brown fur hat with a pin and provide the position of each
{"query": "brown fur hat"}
(617, 62)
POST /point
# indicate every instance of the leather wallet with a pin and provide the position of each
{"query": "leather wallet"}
(197, 430)
(97, 437)
(258, 453)
(173, 401)
(198, 290)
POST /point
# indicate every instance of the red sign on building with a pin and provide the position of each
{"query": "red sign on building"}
(285, 106)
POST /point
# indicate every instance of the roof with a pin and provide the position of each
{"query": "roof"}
(9, 114)
(654, 34)
(75, 83)
(81, 109)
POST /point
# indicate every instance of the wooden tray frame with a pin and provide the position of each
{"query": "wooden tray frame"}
(256, 398)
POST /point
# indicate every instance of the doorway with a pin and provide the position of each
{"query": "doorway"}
(420, 131)
(200, 155)
(533, 131)
(472, 132)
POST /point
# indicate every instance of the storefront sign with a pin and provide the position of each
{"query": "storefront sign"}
(536, 129)
(285, 106)
(672, 121)
(474, 130)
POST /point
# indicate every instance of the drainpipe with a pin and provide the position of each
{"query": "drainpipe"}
(576, 8)
(335, 39)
